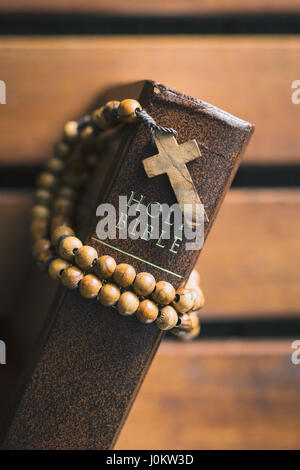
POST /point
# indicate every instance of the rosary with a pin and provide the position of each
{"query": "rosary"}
(62, 254)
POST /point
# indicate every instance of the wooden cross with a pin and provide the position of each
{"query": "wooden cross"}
(171, 160)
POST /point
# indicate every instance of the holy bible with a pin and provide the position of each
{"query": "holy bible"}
(77, 366)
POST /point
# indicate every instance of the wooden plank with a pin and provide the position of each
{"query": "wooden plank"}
(152, 7)
(15, 253)
(251, 264)
(51, 80)
(217, 395)
(250, 267)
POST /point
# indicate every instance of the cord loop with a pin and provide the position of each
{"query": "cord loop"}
(149, 122)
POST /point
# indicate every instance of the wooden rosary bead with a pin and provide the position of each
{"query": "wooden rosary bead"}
(40, 212)
(85, 257)
(71, 277)
(193, 280)
(195, 320)
(98, 118)
(42, 252)
(188, 321)
(87, 133)
(61, 231)
(184, 300)
(71, 131)
(164, 293)
(128, 303)
(47, 180)
(39, 228)
(109, 295)
(39, 247)
(66, 192)
(105, 266)
(62, 149)
(55, 165)
(144, 284)
(185, 322)
(43, 197)
(63, 206)
(110, 111)
(193, 284)
(68, 247)
(59, 220)
(124, 275)
(45, 257)
(188, 333)
(167, 319)
(127, 110)
(105, 116)
(147, 311)
(199, 299)
(89, 286)
(56, 268)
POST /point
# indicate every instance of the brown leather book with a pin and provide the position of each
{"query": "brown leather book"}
(78, 365)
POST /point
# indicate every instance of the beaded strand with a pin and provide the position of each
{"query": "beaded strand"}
(77, 265)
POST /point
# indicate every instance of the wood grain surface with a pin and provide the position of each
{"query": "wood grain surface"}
(152, 7)
(15, 249)
(50, 80)
(251, 263)
(249, 269)
(217, 395)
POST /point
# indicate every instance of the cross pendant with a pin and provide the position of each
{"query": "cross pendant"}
(171, 160)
